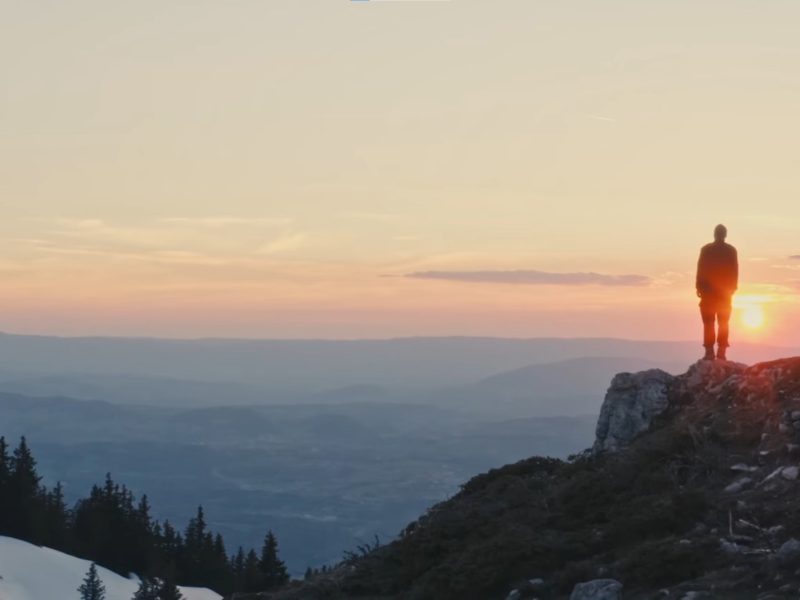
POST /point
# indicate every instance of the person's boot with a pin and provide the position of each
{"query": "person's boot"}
(721, 353)
(709, 353)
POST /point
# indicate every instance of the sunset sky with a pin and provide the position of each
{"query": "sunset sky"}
(338, 169)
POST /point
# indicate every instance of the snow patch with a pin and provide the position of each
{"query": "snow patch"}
(29, 572)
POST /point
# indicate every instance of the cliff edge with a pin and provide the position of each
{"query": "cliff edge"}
(689, 491)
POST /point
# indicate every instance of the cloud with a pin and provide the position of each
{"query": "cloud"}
(794, 257)
(599, 117)
(291, 241)
(370, 216)
(527, 277)
(226, 221)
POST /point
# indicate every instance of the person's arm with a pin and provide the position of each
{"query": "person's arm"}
(735, 270)
(698, 280)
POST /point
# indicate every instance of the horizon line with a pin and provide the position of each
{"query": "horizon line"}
(4, 333)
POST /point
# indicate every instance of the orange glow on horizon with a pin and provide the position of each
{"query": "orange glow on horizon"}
(753, 317)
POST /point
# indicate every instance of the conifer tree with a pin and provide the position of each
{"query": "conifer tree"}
(5, 474)
(168, 590)
(238, 567)
(25, 500)
(94, 527)
(252, 573)
(92, 588)
(273, 570)
(56, 519)
(148, 590)
(5, 463)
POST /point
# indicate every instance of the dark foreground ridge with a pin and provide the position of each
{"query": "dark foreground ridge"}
(690, 491)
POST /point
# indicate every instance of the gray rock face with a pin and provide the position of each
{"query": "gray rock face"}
(598, 589)
(631, 404)
(712, 374)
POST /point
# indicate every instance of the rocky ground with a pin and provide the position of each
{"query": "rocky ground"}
(690, 491)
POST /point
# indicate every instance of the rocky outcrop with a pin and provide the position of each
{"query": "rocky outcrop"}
(691, 492)
(632, 402)
(635, 400)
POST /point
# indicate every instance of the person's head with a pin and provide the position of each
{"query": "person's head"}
(720, 233)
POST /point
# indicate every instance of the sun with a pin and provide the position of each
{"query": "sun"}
(753, 316)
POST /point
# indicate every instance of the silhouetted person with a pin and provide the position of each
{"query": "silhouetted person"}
(717, 280)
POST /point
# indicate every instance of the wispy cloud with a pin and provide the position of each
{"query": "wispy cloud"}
(227, 221)
(173, 240)
(794, 257)
(528, 277)
(599, 117)
(370, 216)
(291, 241)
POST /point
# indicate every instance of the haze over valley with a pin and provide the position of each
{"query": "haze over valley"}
(328, 443)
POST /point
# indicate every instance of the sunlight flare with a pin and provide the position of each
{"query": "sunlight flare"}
(753, 317)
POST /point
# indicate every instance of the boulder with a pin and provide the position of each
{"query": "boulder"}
(598, 589)
(790, 473)
(631, 404)
(789, 551)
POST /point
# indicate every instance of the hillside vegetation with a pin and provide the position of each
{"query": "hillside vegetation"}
(701, 505)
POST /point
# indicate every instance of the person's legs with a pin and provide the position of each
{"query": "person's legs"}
(723, 318)
(708, 313)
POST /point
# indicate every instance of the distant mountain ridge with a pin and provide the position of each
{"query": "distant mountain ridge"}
(566, 388)
(316, 365)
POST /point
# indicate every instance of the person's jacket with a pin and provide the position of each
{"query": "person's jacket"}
(717, 270)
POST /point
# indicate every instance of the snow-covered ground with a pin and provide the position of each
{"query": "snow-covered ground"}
(29, 572)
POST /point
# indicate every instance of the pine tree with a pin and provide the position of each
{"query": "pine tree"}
(5, 468)
(195, 542)
(25, 499)
(56, 519)
(238, 566)
(253, 580)
(92, 588)
(5, 474)
(273, 570)
(148, 590)
(220, 575)
(168, 590)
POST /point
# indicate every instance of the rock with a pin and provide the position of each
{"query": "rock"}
(631, 404)
(790, 473)
(729, 548)
(514, 595)
(795, 416)
(744, 468)
(789, 551)
(711, 374)
(536, 582)
(598, 589)
(738, 485)
(771, 476)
